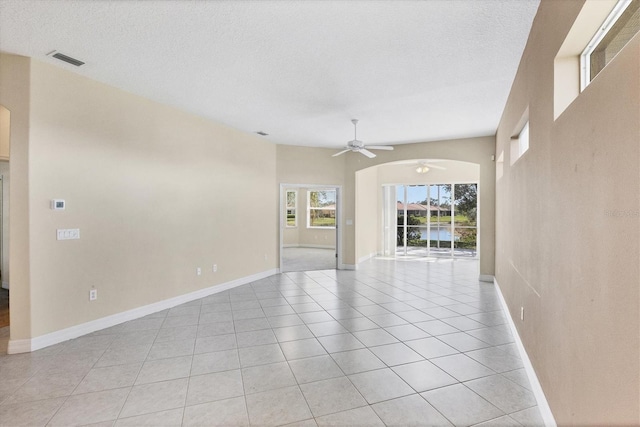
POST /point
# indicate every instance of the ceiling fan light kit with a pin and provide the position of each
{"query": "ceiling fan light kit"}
(358, 146)
(422, 169)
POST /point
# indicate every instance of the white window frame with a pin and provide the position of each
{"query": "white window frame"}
(309, 208)
(287, 208)
(585, 57)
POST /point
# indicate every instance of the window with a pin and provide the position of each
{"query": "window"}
(432, 219)
(321, 209)
(292, 205)
(520, 143)
(620, 26)
(614, 22)
(523, 139)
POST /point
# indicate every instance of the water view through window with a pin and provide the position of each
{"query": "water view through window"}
(436, 219)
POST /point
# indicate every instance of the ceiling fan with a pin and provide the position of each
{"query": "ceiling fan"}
(358, 146)
(425, 166)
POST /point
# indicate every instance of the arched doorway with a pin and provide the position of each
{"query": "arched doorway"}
(425, 208)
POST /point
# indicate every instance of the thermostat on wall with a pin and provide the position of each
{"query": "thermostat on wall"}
(57, 205)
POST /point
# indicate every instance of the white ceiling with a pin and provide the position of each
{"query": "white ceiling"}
(299, 70)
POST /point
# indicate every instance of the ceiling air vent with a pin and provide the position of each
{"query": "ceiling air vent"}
(262, 133)
(67, 59)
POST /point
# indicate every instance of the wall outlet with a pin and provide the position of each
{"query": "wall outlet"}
(68, 234)
(199, 271)
(215, 268)
(522, 313)
(93, 294)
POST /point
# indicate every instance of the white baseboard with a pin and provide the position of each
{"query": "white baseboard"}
(367, 257)
(486, 278)
(304, 245)
(543, 405)
(27, 345)
(347, 267)
(5, 285)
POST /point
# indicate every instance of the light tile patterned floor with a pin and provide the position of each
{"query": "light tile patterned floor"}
(395, 343)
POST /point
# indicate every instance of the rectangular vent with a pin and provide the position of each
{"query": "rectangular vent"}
(68, 59)
(262, 133)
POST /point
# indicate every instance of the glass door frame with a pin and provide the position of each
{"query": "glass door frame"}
(390, 199)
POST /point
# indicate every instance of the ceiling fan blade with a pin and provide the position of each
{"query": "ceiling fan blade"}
(341, 152)
(380, 147)
(367, 153)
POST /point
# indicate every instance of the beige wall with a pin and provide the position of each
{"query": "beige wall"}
(5, 133)
(303, 236)
(155, 192)
(404, 173)
(15, 74)
(568, 229)
(368, 213)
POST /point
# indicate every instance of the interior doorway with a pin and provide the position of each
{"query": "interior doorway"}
(309, 227)
(5, 135)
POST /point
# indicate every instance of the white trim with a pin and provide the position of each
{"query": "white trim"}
(295, 208)
(5, 285)
(543, 405)
(348, 267)
(486, 278)
(367, 257)
(304, 245)
(26, 345)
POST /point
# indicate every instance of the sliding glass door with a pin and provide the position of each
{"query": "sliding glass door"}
(434, 219)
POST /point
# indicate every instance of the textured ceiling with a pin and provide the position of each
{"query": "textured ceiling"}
(299, 70)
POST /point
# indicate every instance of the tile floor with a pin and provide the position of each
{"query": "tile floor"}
(306, 259)
(394, 343)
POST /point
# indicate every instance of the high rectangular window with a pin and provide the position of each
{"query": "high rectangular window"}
(321, 209)
(520, 143)
(620, 26)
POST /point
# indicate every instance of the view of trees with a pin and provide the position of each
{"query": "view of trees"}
(465, 221)
(466, 201)
(322, 208)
